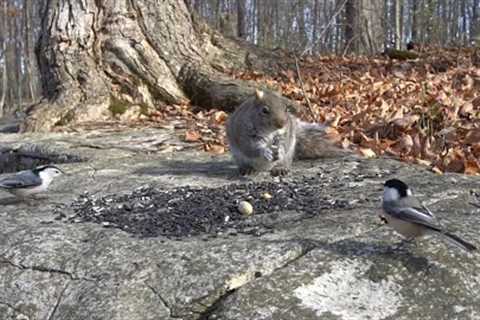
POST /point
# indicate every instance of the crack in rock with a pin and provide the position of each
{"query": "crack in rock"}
(241, 280)
(164, 302)
(45, 269)
(57, 304)
(17, 311)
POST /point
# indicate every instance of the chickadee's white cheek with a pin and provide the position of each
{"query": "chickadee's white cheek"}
(390, 194)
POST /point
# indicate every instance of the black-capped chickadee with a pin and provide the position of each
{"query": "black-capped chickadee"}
(27, 183)
(407, 216)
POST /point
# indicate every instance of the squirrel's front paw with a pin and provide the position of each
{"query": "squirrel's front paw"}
(268, 154)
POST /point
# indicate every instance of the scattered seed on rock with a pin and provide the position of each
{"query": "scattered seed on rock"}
(245, 208)
(266, 196)
(188, 211)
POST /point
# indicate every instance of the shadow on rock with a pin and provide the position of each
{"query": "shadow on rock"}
(9, 201)
(388, 253)
(225, 169)
(379, 254)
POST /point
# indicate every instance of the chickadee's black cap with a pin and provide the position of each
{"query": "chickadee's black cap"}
(48, 166)
(399, 185)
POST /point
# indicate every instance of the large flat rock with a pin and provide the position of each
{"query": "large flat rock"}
(316, 257)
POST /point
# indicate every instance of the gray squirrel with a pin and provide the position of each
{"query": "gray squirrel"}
(264, 136)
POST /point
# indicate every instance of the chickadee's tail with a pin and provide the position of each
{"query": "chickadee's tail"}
(313, 142)
(453, 239)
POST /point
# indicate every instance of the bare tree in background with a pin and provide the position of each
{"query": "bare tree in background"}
(398, 23)
(475, 24)
(3, 56)
(241, 23)
(364, 31)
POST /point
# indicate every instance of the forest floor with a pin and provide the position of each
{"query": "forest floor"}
(424, 111)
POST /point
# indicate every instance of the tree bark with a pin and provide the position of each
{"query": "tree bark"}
(475, 25)
(18, 37)
(398, 24)
(415, 21)
(3, 34)
(351, 24)
(93, 54)
(241, 23)
(314, 25)
(365, 29)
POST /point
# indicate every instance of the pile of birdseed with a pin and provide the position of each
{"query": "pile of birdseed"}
(187, 211)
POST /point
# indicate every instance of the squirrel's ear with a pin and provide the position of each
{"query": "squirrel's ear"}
(259, 94)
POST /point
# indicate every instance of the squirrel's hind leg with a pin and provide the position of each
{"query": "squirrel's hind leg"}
(279, 171)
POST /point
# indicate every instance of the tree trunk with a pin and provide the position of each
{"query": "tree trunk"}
(314, 25)
(398, 24)
(475, 25)
(3, 34)
(93, 54)
(351, 24)
(18, 37)
(302, 30)
(10, 58)
(373, 26)
(241, 25)
(365, 29)
(414, 21)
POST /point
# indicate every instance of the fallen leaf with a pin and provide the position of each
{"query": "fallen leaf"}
(466, 109)
(437, 170)
(367, 152)
(473, 136)
(472, 167)
(407, 121)
(476, 150)
(192, 136)
(220, 117)
(423, 162)
(406, 143)
(215, 148)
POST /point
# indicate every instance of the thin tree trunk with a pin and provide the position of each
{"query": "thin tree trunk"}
(415, 21)
(18, 27)
(4, 34)
(398, 24)
(30, 70)
(475, 25)
(315, 25)
(10, 58)
(464, 21)
(302, 33)
(241, 27)
(351, 24)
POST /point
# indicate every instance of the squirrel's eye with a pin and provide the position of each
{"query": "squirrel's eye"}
(265, 110)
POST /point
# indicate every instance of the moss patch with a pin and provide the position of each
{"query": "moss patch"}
(117, 106)
(66, 118)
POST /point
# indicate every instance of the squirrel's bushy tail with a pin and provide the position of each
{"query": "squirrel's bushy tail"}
(313, 142)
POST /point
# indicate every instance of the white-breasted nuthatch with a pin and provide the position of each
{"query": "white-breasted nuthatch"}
(27, 183)
(407, 216)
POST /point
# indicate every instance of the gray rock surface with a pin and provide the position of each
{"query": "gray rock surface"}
(337, 264)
